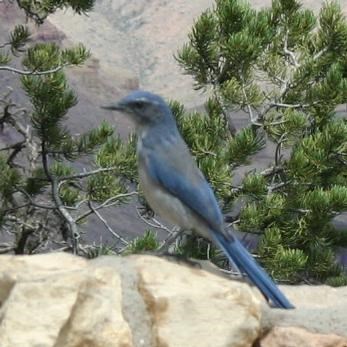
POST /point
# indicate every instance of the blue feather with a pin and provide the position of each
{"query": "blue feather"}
(187, 183)
(238, 254)
(192, 189)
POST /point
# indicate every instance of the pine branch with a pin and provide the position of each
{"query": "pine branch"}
(30, 13)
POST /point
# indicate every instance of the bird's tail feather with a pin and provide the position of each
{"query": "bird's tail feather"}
(238, 255)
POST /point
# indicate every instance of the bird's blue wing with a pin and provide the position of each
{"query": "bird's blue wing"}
(174, 170)
(179, 175)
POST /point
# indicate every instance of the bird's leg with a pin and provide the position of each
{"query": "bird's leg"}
(164, 248)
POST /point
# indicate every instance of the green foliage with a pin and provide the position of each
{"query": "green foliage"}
(18, 38)
(9, 180)
(41, 190)
(254, 184)
(284, 263)
(36, 183)
(39, 10)
(98, 251)
(87, 143)
(103, 186)
(69, 195)
(207, 137)
(244, 144)
(337, 281)
(196, 247)
(211, 143)
(286, 68)
(147, 242)
(122, 156)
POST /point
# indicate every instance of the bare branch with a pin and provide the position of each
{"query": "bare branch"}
(35, 204)
(13, 146)
(107, 203)
(227, 118)
(87, 173)
(156, 224)
(290, 53)
(278, 149)
(103, 220)
(25, 131)
(5, 248)
(32, 73)
(253, 119)
(277, 186)
(278, 104)
(78, 205)
(320, 53)
(21, 222)
(271, 171)
(3, 45)
(175, 234)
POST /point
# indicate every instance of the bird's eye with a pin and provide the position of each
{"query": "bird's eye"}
(138, 104)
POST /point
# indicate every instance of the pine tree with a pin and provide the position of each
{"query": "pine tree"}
(41, 194)
(287, 69)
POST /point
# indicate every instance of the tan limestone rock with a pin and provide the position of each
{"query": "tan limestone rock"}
(56, 300)
(319, 309)
(190, 307)
(298, 337)
(64, 301)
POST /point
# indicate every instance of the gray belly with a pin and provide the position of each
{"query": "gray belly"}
(169, 207)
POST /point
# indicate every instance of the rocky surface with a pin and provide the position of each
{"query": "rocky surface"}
(294, 337)
(58, 301)
(140, 38)
(64, 301)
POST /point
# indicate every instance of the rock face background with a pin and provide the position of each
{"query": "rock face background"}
(57, 300)
(139, 38)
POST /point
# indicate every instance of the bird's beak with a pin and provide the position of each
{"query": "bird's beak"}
(116, 106)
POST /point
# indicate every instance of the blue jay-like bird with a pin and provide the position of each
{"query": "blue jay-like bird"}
(176, 189)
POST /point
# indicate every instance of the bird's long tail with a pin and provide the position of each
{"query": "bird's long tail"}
(238, 255)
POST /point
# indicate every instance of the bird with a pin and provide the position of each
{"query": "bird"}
(177, 190)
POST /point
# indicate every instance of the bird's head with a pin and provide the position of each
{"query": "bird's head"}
(144, 108)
